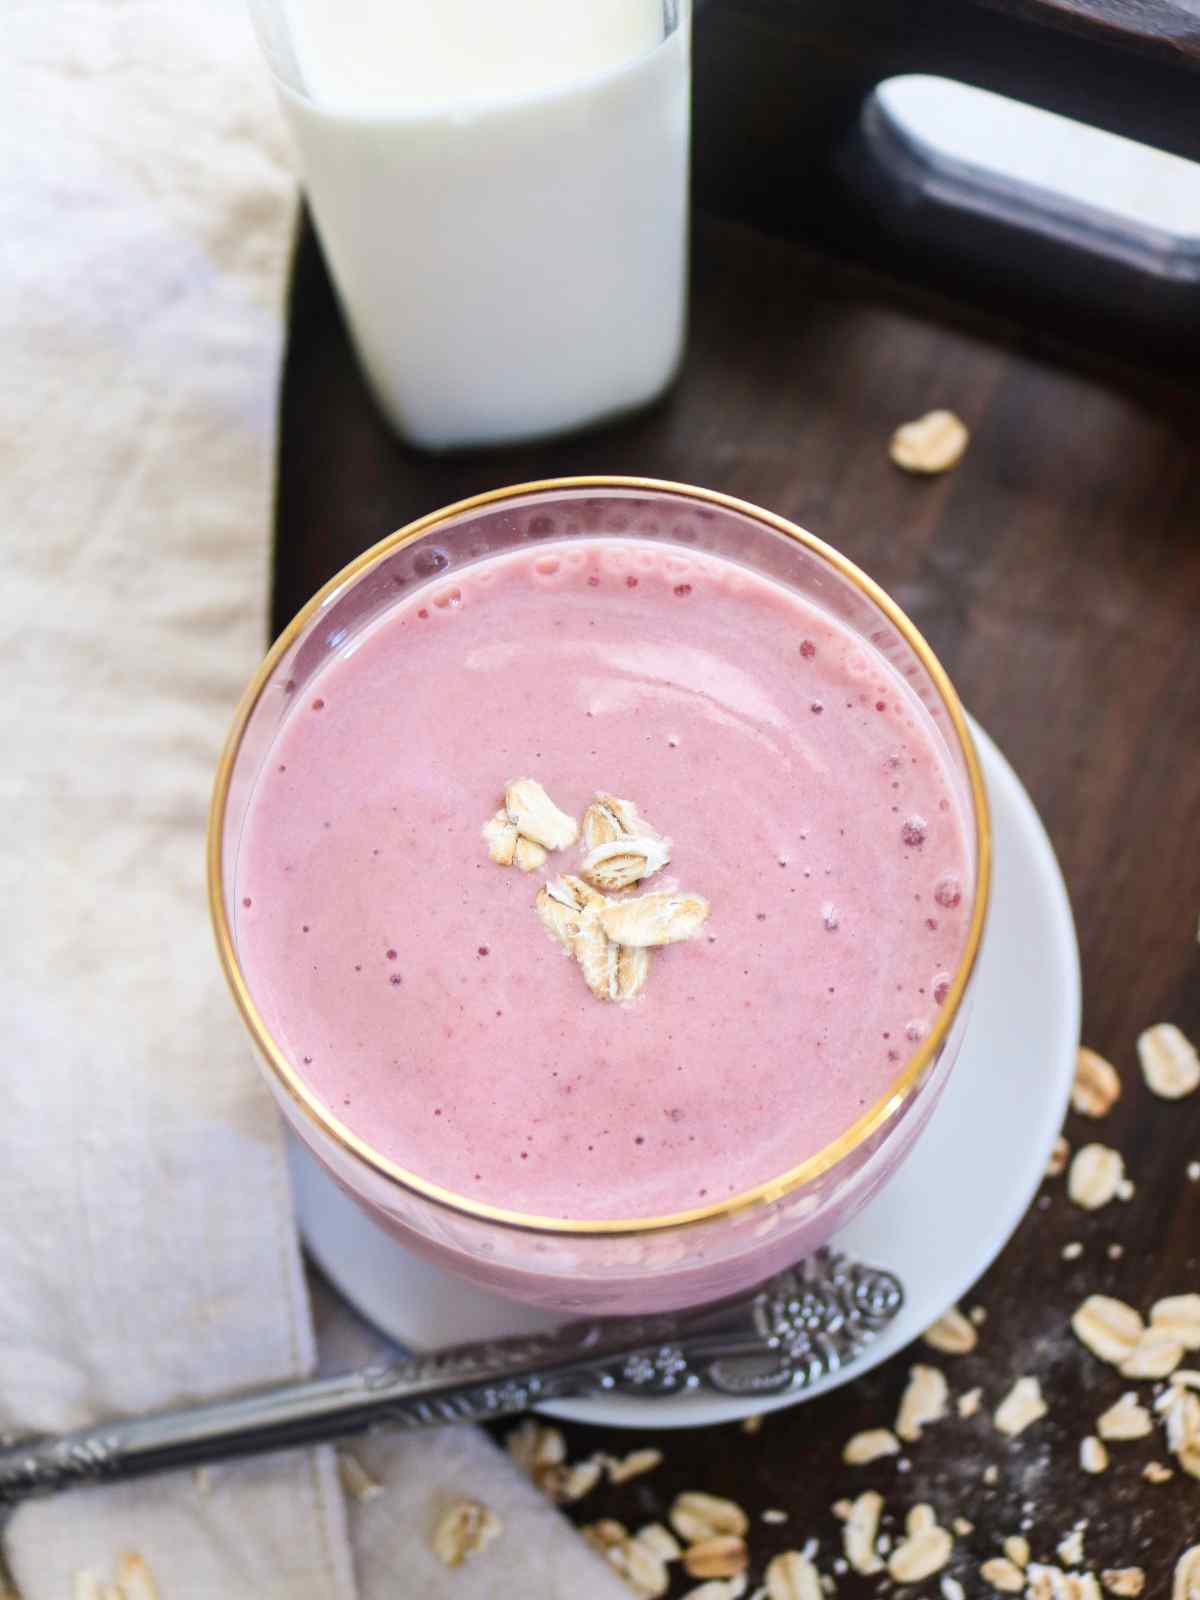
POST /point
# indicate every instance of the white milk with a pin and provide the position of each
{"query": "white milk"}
(501, 194)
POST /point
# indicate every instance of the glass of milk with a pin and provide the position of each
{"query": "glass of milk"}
(501, 195)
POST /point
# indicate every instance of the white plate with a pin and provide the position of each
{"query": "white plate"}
(938, 1224)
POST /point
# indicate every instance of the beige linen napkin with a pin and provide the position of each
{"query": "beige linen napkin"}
(147, 1250)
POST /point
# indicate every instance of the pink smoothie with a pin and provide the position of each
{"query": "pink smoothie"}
(807, 795)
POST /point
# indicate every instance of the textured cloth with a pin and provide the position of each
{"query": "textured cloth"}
(148, 1253)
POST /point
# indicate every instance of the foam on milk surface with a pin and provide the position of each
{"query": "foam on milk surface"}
(408, 977)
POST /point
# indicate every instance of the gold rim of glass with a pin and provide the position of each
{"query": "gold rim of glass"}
(872, 1120)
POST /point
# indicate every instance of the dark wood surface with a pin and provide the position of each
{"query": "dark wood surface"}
(1057, 573)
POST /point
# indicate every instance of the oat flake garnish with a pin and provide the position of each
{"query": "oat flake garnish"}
(696, 1516)
(870, 1445)
(952, 1333)
(925, 1551)
(1060, 1154)
(1126, 1419)
(1097, 1086)
(464, 1528)
(860, 1532)
(1093, 1457)
(1021, 1407)
(537, 817)
(621, 1469)
(722, 1556)
(1095, 1177)
(1187, 1575)
(356, 1481)
(923, 1401)
(1003, 1575)
(1123, 1580)
(1178, 1316)
(1070, 1548)
(792, 1576)
(932, 443)
(1109, 1328)
(1170, 1064)
(1156, 1355)
(654, 919)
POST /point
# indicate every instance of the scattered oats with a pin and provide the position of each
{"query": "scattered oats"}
(356, 1481)
(1016, 1548)
(991, 1475)
(978, 1315)
(952, 1589)
(962, 1527)
(1193, 1170)
(932, 443)
(1156, 1355)
(1093, 1457)
(719, 1589)
(1097, 1086)
(842, 1509)
(1179, 1316)
(860, 1532)
(1052, 1583)
(1003, 1574)
(644, 1570)
(1109, 1328)
(925, 1551)
(1187, 1575)
(923, 1402)
(134, 1578)
(719, 1557)
(653, 919)
(1170, 1064)
(536, 817)
(1156, 1472)
(1072, 1251)
(202, 1480)
(968, 1402)
(1186, 1377)
(870, 1446)
(633, 1465)
(1095, 1175)
(1123, 1580)
(1180, 1408)
(570, 911)
(566, 1485)
(661, 1540)
(536, 1448)
(605, 1534)
(1022, 1406)
(1125, 1189)
(774, 1515)
(696, 1516)
(792, 1576)
(1060, 1154)
(952, 1333)
(1115, 1252)
(753, 1424)
(1126, 1419)
(1070, 1548)
(464, 1528)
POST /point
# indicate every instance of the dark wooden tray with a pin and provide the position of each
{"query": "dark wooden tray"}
(1057, 573)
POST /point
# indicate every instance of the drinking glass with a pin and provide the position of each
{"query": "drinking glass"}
(631, 1263)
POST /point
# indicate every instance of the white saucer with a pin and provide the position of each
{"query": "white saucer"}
(938, 1224)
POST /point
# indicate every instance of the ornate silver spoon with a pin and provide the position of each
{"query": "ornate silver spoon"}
(806, 1322)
